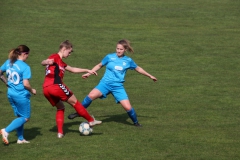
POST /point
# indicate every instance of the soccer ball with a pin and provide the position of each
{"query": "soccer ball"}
(85, 129)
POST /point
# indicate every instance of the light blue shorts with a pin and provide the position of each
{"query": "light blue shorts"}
(116, 89)
(21, 106)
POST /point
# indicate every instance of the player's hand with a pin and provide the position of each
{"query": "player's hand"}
(153, 78)
(33, 91)
(49, 61)
(92, 72)
(86, 75)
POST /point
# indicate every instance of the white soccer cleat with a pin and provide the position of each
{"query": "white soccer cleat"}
(94, 122)
(4, 136)
(60, 135)
(22, 141)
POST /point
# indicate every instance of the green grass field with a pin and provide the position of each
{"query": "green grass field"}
(192, 47)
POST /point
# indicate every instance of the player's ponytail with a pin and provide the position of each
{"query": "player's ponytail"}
(13, 55)
(126, 44)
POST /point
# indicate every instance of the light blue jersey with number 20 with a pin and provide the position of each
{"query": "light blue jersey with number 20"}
(16, 73)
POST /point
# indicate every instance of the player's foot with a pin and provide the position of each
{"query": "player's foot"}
(73, 115)
(22, 141)
(137, 124)
(60, 135)
(4, 136)
(95, 122)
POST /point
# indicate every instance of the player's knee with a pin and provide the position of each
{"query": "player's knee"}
(72, 100)
(72, 103)
(94, 95)
(128, 108)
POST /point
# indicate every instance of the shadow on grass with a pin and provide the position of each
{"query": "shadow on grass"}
(29, 134)
(32, 133)
(67, 126)
(120, 118)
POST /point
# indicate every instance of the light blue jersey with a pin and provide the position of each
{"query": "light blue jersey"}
(116, 68)
(113, 79)
(16, 73)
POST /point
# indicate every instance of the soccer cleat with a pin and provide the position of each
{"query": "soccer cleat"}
(73, 115)
(4, 136)
(137, 124)
(22, 141)
(60, 135)
(94, 122)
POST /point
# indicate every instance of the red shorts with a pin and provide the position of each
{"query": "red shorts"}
(57, 92)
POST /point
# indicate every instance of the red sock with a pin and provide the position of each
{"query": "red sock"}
(60, 120)
(83, 112)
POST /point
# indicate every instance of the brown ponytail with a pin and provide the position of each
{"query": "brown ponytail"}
(14, 53)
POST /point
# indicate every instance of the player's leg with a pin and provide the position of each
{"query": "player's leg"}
(130, 111)
(82, 111)
(3, 131)
(60, 118)
(21, 107)
(121, 97)
(21, 139)
(54, 94)
(94, 94)
(100, 91)
(20, 132)
(24, 110)
(16, 123)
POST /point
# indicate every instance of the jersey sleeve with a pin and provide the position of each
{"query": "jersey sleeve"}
(4, 66)
(53, 57)
(133, 65)
(27, 73)
(105, 60)
(56, 59)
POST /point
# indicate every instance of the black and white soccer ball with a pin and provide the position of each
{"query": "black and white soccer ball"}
(85, 129)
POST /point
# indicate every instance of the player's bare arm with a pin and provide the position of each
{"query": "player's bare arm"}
(28, 86)
(94, 69)
(143, 72)
(79, 70)
(47, 62)
(3, 79)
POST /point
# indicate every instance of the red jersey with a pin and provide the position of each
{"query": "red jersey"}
(54, 72)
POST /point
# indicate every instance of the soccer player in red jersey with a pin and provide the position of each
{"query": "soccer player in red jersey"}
(56, 91)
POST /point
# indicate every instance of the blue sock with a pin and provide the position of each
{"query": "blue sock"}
(20, 132)
(132, 114)
(86, 102)
(16, 123)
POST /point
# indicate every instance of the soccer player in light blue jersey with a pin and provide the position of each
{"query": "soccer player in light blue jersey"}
(117, 65)
(19, 91)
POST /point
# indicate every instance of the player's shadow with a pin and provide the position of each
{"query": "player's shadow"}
(67, 126)
(30, 134)
(120, 118)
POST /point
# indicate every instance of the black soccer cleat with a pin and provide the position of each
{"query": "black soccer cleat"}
(73, 115)
(137, 124)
